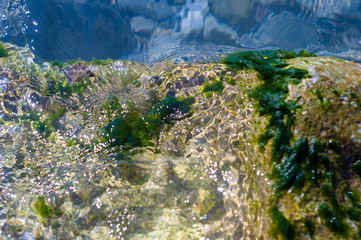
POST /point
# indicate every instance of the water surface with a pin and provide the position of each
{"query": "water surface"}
(151, 30)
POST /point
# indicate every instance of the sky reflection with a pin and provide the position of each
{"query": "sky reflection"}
(142, 28)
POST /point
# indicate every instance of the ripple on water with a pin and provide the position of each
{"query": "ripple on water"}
(194, 182)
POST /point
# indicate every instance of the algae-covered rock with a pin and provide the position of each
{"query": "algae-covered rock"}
(261, 145)
(330, 104)
(308, 138)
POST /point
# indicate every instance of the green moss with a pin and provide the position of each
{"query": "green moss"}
(3, 51)
(214, 86)
(42, 209)
(281, 227)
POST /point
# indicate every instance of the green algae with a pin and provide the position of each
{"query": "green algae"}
(3, 51)
(270, 95)
(58, 64)
(94, 61)
(281, 227)
(230, 80)
(44, 210)
(62, 64)
(58, 84)
(135, 129)
(357, 167)
(100, 62)
(305, 53)
(216, 86)
(337, 92)
(309, 226)
(45, 124)
(113, 107)
(333, 220)
(355, 98)
(56, 224)
(324, 103)
(289, 172)
(270, 98)
(354, 213)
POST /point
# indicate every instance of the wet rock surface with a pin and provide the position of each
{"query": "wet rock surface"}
(118, 150)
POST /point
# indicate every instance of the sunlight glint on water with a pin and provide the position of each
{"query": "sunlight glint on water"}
(195, 182)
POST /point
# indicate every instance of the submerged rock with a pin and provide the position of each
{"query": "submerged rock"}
(264, 144)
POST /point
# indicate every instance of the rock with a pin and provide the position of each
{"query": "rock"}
(331, 100)
(78, 72)
(264, 143)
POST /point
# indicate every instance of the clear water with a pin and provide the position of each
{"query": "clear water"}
(151, 30)
(199, 180)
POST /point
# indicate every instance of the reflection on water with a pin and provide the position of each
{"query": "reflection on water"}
(118, 28)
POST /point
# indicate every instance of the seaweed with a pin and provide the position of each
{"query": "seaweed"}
(357, 167)
(281, 227)
(337, 92)
(100, 62)
(59, 64)
(94, 61)
(289, 172)
(324, 103)
(3, 51)
(45, 211)
(44, 124)
(333, 220)
(42, 209)
(58, 84)
(62, 64)
(230, 80)
(133, 129)
(305, 53)
(354, 213)
(309, 226)
(355, 98)
(214, 86)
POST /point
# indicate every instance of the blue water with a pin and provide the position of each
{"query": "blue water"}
(150, 30)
